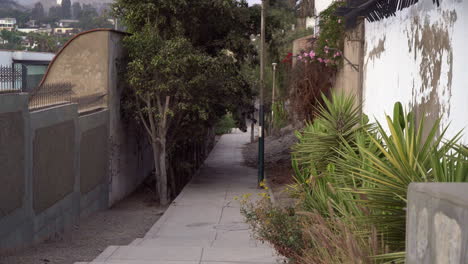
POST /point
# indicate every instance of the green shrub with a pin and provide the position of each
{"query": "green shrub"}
(352, 179)
(225, 125)
(337, 119)
(404, 156)
(279, 227)
(280, 116)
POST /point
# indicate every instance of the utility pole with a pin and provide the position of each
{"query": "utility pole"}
(261, 138)
(273, 96)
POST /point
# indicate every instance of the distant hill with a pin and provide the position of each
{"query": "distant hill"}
(48, 3)
(7, 5)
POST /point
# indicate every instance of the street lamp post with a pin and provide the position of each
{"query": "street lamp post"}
(273, 96)
(261, 134)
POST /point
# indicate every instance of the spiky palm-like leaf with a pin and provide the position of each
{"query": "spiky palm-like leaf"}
(404, 156)
(337, 118)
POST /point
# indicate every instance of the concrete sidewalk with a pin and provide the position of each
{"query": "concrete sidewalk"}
(203, 225)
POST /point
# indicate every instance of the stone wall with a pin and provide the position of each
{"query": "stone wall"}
(437, 220)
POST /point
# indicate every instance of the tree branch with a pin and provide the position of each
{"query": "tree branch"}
(140, 114)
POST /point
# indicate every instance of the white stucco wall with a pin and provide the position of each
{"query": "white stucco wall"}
(420, 58)
(7, 56)
(321, 5)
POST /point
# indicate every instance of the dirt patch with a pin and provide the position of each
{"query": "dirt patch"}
(277, 149)
(120, 225)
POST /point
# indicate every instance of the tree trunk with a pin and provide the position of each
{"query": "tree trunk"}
(172, 176)
(163, 194)
(157, 170)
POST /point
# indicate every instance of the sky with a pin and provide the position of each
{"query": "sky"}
(253, 2)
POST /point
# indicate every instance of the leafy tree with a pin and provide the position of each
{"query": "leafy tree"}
(66, 9)
(305, 8)
(38, 12)
(184, 69)
(44, 42)
(76, 10)
(13, 39)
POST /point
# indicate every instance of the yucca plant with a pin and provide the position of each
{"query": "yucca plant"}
(314, 156)
(338, 118)
(392, 161)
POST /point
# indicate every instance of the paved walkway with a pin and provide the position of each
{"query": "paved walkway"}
(203, 225)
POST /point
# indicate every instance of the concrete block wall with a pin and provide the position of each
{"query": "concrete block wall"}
(15, 193)
(53, 170)
(437, 223)
(94, 162)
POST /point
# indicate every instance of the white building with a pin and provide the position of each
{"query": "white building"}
(7, 24)
(65, 23)
(33, 66)
(27, 30)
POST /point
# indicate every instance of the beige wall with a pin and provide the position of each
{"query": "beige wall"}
(349, 77)
(84, 63)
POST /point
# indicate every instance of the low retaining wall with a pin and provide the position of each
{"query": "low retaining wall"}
(15, 184)
(94, 162)
(54, 145)
(53, 169)
(437, 223)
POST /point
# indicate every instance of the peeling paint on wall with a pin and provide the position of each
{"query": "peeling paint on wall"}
(377, 50)
(418, 57)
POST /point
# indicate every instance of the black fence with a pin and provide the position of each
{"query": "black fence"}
(48, 95)
(11, 79)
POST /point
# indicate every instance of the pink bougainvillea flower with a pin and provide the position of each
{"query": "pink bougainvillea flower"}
(320, 59)
(306, 54)
(312, 54)
(299, 57)
(327, 61)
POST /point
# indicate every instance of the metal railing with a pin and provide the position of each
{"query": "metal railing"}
(11, 79)
(48, 95)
